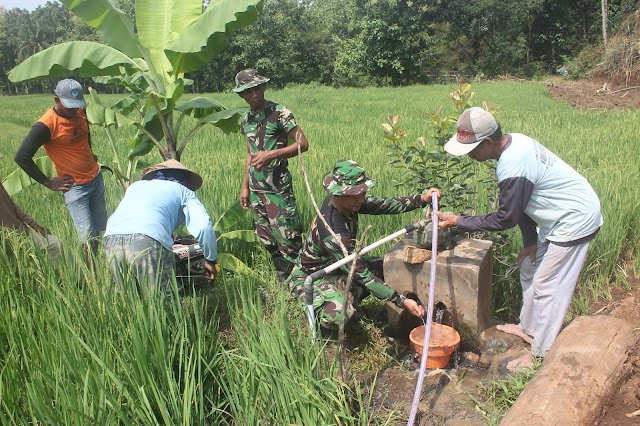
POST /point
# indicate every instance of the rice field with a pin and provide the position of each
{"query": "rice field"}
(77, 352)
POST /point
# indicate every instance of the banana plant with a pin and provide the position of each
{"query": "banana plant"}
(17, 180)
(228, 220)
(170, 38)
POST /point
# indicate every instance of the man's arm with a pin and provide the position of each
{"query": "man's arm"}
(363, 275)
(199, 225)
(261, 159)
(514, 196)
(528, 229)
(38, 136)
(28, 220)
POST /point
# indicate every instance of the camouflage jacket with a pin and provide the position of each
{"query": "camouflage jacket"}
(265, 131)
(321, 250)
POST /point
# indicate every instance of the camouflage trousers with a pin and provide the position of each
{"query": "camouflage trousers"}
(327, 293)
(278, 227)
(142, 258)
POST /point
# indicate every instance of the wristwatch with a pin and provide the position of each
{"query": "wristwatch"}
(398, 300)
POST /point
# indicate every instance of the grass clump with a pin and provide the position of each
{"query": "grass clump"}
(499, 395)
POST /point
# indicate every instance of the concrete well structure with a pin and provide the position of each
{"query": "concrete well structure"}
(463, 286)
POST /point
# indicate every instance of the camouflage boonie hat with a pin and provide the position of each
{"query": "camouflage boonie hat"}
(246, 79)
(348, 178)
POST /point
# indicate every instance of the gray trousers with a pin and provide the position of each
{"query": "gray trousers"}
(49, 244)
(547, 289)
(141, 256)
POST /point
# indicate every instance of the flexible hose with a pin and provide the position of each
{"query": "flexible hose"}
(427, 326)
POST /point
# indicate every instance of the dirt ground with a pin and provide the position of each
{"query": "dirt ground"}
(595, 94)
(625, 302)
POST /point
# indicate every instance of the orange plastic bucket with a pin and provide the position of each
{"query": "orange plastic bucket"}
(442, 342)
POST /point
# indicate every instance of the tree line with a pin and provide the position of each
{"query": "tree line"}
(359, 42)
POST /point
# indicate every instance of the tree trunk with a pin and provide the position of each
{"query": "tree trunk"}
(605, 22)
(584, 368)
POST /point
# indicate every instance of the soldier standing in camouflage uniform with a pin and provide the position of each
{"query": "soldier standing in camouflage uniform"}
(347, 187)
(267, 185)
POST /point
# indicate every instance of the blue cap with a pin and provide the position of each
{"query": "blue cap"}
(70, 93)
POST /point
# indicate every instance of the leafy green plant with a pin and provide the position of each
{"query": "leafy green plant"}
(468, 187)
(422, 165)
(170, 38)
(223, 227)
(108, 118)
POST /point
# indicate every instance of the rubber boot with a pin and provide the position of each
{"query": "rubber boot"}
(283, 268)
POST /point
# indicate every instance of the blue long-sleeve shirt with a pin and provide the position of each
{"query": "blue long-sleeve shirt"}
(156, 208)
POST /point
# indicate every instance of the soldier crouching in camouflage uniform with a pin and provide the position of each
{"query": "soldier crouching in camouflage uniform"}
(267, 185)
(347, 187)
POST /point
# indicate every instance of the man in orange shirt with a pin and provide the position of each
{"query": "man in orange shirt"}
(63, 132)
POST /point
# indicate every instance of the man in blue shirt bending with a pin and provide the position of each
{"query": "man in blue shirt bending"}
(139, 235)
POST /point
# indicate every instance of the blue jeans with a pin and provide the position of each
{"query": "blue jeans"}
(88, 208)
(141, 256)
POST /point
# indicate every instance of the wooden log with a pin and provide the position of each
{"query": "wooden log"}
(584, 368)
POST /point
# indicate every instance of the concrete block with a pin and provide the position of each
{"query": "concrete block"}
(463, 283)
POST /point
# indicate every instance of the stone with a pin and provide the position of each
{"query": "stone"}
(470, 358)
(463, 284)
(498, 362)
(587, 363)
(494, 342)
(414, 255)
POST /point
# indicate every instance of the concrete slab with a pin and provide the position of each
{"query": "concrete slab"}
(463, 284)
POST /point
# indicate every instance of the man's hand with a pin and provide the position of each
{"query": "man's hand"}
(446, 220)
(413, 308)
(57, 184)
(261, 159)
(426, 195)
(528, 251)
(244, 198)
(211, 270)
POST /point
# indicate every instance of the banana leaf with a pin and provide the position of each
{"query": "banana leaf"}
(82, 58)
(17, 180)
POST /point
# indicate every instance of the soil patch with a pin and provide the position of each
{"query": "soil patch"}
(624, 304)
(595, 94)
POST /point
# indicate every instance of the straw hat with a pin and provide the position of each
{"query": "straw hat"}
(194, 181)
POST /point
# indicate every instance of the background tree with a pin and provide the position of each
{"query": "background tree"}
(149, 60)
(362, 42)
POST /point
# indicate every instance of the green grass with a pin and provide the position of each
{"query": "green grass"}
(90, 355)
(500, 394)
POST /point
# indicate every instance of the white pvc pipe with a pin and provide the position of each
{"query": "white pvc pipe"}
(308, 282)
(427, 326)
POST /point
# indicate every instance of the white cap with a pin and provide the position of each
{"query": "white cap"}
(474, 124)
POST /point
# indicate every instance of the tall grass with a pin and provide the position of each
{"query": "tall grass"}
(275, 375)
(77, 352)
(91, 355)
